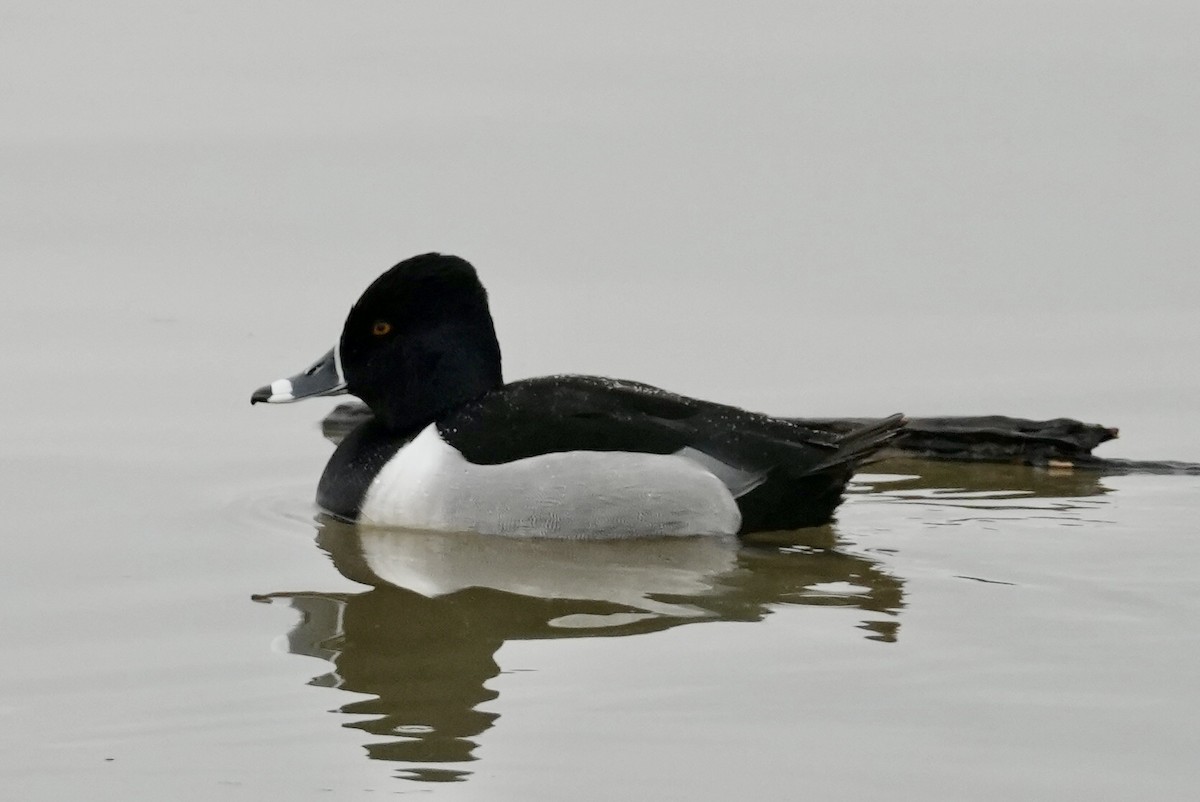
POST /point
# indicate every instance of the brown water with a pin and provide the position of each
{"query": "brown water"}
(817, 209)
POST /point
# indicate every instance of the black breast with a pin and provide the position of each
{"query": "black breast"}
(353, 466)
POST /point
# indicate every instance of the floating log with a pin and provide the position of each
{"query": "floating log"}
(988, 438)
(1060, 443)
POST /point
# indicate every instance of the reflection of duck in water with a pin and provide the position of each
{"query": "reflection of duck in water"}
(423, 640)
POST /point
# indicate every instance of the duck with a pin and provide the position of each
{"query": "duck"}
(450, 446)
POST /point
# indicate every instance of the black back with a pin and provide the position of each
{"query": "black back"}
(590, 413)
(804, 471)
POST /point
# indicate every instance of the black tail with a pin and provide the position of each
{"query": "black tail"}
(794, 498)
(859, 446)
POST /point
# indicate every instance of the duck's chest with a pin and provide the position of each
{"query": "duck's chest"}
(427, 484)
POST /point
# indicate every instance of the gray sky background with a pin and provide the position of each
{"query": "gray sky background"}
(841, 207)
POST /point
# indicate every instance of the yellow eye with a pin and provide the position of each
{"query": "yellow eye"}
(381, 328)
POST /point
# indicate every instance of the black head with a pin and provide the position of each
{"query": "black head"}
(420, 341)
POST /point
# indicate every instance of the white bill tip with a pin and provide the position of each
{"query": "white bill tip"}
(281, 392)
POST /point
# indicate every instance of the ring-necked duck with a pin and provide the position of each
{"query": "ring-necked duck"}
(452, 447)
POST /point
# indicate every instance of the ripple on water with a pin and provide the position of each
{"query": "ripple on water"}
(956, 493)
(277, 508)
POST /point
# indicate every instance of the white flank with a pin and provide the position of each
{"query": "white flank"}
(573, 494)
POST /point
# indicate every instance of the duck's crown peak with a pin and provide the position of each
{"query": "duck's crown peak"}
(425, 271)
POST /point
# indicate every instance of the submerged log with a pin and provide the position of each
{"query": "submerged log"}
(1060, 443)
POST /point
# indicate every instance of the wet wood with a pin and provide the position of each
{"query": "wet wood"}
(1056, 444)
(990, 438)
